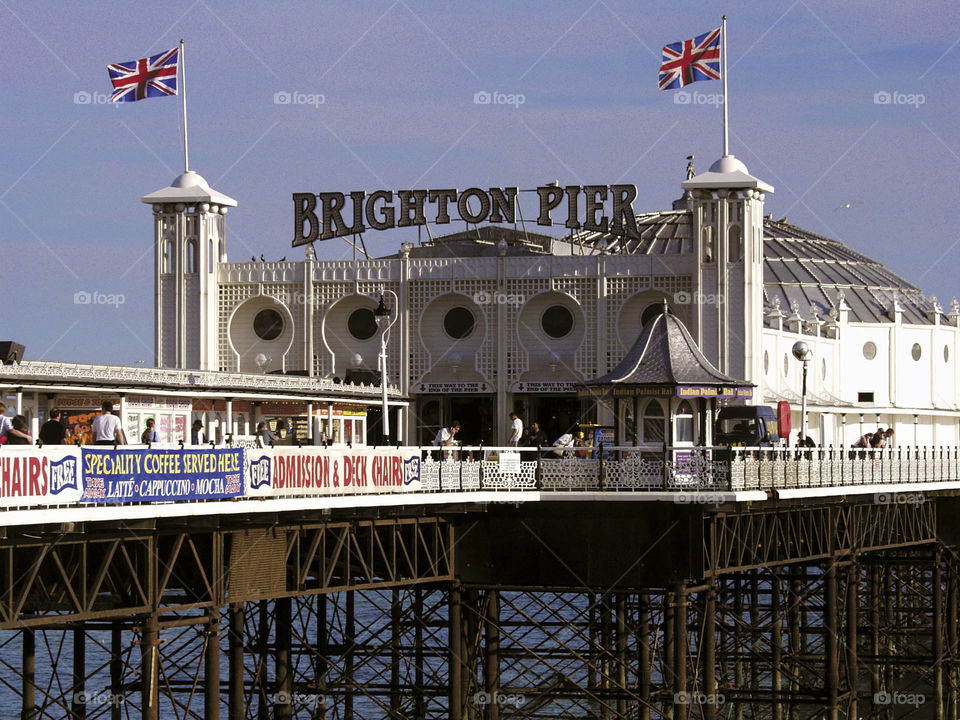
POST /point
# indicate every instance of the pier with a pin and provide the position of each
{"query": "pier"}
(741, 582)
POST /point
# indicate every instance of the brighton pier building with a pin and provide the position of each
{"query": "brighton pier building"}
(497, 318)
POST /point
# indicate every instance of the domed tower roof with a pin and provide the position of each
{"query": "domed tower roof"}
(799, 266)
(809, 269)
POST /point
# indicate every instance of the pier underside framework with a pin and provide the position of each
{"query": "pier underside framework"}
(832, 611)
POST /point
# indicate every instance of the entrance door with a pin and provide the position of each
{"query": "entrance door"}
(474, 413)
(558, 414)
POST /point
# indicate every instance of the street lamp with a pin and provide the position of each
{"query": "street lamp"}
(803, 353)
(384, 322)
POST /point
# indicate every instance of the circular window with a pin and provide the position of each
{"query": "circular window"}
(946, 353)
(786, 365)
(557, 321)
(459, 323)
(916, 351)
(766, 362)
(869, 350)
(362, 324)
(268, 324)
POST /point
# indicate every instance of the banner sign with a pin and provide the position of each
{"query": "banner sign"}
(447, 388)
(321, 471)
(117, 475)
(379, 211)
(39, 477)
(546, 387)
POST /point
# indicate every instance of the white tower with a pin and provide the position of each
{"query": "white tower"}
(728, 230)
(189, 244)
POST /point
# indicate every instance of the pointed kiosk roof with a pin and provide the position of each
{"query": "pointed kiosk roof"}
(665, 360)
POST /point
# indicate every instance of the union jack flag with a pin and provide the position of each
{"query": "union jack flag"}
(687, 61)
(155, 76)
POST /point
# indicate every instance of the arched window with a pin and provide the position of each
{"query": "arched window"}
(653, 422)
(684, 423)
(192, 256)
(735, 243)
(168, 256)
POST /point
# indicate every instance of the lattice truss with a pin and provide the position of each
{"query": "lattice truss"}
(369, 654)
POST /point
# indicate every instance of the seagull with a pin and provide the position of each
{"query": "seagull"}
(262, 258)
(283, 259)
(847, 205)
(252, 259)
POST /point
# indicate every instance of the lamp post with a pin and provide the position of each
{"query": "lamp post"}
(803, 353)
(384, 321)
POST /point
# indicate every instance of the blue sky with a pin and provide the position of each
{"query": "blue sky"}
(397, 79)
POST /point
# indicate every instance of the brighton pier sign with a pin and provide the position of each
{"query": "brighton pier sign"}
(386, 209)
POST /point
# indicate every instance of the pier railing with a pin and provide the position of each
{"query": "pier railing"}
(65, 476)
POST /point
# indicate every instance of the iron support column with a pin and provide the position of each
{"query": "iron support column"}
(116, 671)
(643, 646)
(853, 581)
(832, 669)
(149, 673)
(456, 653)
(491, 664)
(79, 700)
(938, 635)
(283, 698)
(235, 707)
(776, 679)
(28, 648)
(709, 651)
(211, 697)
(680, 643)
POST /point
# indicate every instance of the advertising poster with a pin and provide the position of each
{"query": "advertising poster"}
(117, 475)
(323, 471)
(29, 476)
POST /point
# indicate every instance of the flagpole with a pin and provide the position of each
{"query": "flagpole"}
(723, 57)
(183, 100)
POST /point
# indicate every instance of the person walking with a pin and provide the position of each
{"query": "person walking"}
(106, 427)
(516, 430)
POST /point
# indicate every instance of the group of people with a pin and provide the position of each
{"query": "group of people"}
(106, 429)
(533, 437)
(874, 440)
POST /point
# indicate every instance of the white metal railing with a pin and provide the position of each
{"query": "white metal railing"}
(34, 369)
(68, 476)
